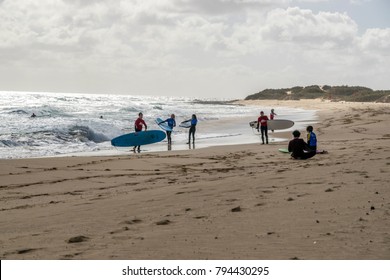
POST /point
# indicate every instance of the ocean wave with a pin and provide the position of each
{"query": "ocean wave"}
(18, 112)
(8, 143)
(85, 133)
(73, 134)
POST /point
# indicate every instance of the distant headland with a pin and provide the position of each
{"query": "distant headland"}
(334, 93)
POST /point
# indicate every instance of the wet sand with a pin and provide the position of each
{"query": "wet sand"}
(226, 202)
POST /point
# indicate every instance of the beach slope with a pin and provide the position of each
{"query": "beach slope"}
(226, 202)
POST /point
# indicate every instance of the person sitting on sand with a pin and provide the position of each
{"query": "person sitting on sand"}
(312, 141)
(298, 148)
(138, 124)
(262, 122)
(311, 138)
(171, 123)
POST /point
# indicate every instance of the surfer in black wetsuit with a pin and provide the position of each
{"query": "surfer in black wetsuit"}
(194, 122)
(298, 148)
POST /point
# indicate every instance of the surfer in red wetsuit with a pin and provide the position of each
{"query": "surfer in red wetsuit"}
(138, 124)
(262, 123)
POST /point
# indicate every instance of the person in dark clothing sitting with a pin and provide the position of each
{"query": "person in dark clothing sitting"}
(298, 147)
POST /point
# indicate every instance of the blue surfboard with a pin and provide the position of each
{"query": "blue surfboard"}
(138, 138)
(164, 126)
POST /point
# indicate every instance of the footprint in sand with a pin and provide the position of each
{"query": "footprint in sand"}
(200, 217)
(24, 251)
(236, 209)
(131, 222)
(163, 222)
(78, 239)
(119, 230)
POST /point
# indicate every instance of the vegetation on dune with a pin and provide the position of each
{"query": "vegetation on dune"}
(334, 93)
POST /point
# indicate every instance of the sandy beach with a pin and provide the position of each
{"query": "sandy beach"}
(226, 202)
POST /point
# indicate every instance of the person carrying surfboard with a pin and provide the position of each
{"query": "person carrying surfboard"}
(194, 122)
(171, 123)
(272, 116)
(138, 125)
(262, 123)
(298, 148)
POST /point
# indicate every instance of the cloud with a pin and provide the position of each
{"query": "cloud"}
(218, 7)
(359, 2)
(302, 26)
(183, 45)
(377, 41)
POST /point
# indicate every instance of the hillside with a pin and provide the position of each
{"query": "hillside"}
(334, 93)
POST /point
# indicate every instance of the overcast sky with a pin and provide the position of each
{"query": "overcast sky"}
(197, 48)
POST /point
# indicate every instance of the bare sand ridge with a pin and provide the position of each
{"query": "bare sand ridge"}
(226, 202)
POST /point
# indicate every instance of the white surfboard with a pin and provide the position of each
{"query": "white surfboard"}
(275, 124)
(185, 124)
(164, 125)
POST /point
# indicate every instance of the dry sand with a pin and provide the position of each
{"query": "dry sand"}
(228, 202)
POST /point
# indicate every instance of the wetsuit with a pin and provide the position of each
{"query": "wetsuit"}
(192, 131)
(271, 117)
(262, 120)
(138, 127)
(171, 123)
(297, 148)
(312, 141)
(138, 124)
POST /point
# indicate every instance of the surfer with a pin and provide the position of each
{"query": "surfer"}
(171, 123)
(194, 122)
(311, 138)
(138, 124)
(272, 116)
(298, 148)
(312, 141)
(262, 122)
(33, 115)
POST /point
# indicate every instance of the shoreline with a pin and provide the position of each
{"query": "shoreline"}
(224, 202)
(210, 133)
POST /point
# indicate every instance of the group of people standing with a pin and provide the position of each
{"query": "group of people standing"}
(140, 124)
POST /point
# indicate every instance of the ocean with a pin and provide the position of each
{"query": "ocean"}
(69, 124)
